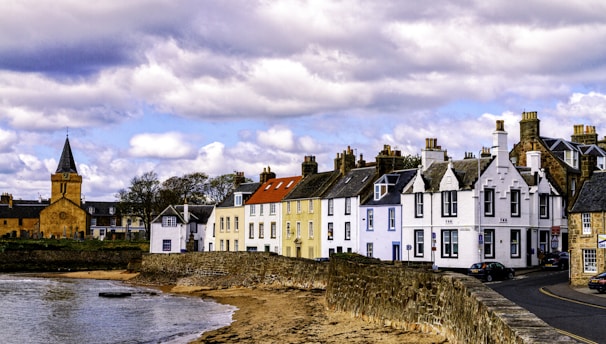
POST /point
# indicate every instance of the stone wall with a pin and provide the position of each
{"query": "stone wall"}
(457, 306)
(54, 260)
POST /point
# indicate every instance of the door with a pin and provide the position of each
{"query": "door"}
(395, 251)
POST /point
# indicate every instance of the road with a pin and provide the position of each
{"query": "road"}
(578, 319)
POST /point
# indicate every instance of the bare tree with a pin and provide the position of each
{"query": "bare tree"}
(219, 187)
(141, 198)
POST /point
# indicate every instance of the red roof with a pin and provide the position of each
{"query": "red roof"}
(273, 190)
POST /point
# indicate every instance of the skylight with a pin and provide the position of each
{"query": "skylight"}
(279, 184)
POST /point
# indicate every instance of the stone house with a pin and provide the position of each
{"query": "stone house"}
(263, 212)
(380, 218)
(20, 218)
(459, 212)
(588, 230)
(180, 228)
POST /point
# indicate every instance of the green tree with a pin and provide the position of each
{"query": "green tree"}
(191, 187)
(412, 161)
(219, 187)
(141, 198)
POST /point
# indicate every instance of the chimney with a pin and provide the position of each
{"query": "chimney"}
(361, 162)
(533, 160)
(588, 165)
(238, 179)
(309, 166)
(431, 153)
(529, 126)
(345, 162)
(499, 142)
(584, 134)
(266, 175)
(186, 211)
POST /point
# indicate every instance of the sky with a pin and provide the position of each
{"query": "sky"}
(177, 87)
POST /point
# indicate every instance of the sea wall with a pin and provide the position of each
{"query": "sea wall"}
(459, 307)
(54, 260)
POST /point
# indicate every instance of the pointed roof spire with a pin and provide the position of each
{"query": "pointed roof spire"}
(66, 162)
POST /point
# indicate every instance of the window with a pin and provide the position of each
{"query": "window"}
(222, 224)
(488, 243)
(488, 202)
(515, 243)
(419, 243)
(261, 230)
(272, 209)
(169, 221)
(288, 207)
(419, 204)
(101, 232)
(112, 222)
(331, 206)
(222, 245)
(288, 233)
(251, 230)
(238, 200)
(370, 219)
(112, 210)
(369, 249)
(166, 245)
(330, 229)
(273, 230)
(571, 158)
(298, 230)
(347, 230)
(311, 229)
(392, 219)
(450, 243)
(228, 224)
(586, 223)
(449, 203)
(260, 209)
(515, 203)
(589, 261)
(573, 186)
(93, 221)
(253, 210)
(236, 244)
(298, 207)
(347, 205)
(236, 224)
(310, 206)
(544, 206)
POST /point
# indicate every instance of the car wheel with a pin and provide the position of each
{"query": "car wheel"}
(510, 275)
(601, 290)
(488, 278)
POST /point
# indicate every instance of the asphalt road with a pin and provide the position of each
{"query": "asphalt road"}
(582, 320)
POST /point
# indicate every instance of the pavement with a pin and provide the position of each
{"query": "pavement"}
(566, 291)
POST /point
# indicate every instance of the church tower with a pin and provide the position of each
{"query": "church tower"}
(66, 182)
(64, 217)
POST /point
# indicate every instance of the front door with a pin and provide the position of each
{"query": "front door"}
(395, 251)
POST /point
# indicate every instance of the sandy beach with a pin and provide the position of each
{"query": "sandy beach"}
(279, 316)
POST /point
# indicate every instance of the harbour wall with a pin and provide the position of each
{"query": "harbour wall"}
(457, 306)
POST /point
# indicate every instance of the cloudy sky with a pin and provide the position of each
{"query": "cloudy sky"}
(222, 86)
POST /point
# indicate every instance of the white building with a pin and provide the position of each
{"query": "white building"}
(179, 226)
(460, 219)
(381, 218)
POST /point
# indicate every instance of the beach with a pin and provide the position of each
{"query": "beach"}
(280, 316)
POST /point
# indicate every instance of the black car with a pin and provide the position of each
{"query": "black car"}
(489, 271)
(555, 260)
(598, 282)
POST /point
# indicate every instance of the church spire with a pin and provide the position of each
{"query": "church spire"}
(66, 162)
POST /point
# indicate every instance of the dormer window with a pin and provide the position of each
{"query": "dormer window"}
(571, 158)
(112, 210)
(380, 191)
(238, 200)
(169, 221)
(91, 210)
(601, 162)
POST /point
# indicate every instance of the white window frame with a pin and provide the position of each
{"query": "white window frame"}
(169, 221)
(370, 221)
(515, 200)
(298, 230)
(251, 230)
(449, 203)
(450, 243)
(273, 230)
(590, 261)
(331, 206)
(586, 218)
(489, 243)
(272, 209)
(347, 205)
(489, 202)
(369, 249)
(261, 230)
(516, 243)
(347, 230)
(310, 229)
(419, 204)
(331, 231)
(419, 242)
(391, 215)
(544, 206)
(166, 245)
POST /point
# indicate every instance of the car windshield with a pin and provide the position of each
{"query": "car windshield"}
(477, 266)
(602, 275)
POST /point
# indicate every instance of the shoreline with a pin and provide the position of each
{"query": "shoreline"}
(268, 315)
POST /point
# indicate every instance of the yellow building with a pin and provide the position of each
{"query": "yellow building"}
(64, 217)
(302, 212)
(229, 217)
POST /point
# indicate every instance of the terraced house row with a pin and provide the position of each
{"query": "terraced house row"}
(506, 205)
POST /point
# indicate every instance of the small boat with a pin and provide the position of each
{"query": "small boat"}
(115, 294)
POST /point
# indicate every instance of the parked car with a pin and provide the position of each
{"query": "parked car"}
(555, 260)
(489, 271)
(598, 282)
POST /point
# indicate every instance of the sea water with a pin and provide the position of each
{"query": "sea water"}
(62, 310)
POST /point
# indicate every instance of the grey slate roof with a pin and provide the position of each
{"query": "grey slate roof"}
(246, 188)
(353, 183)
(198, 213)
(313, 185)
(22, 210)
(393, 194)
(101, 208)
(66, 162)
(592, 197)
(466, 171)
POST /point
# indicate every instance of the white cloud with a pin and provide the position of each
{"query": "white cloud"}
(166, 146)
